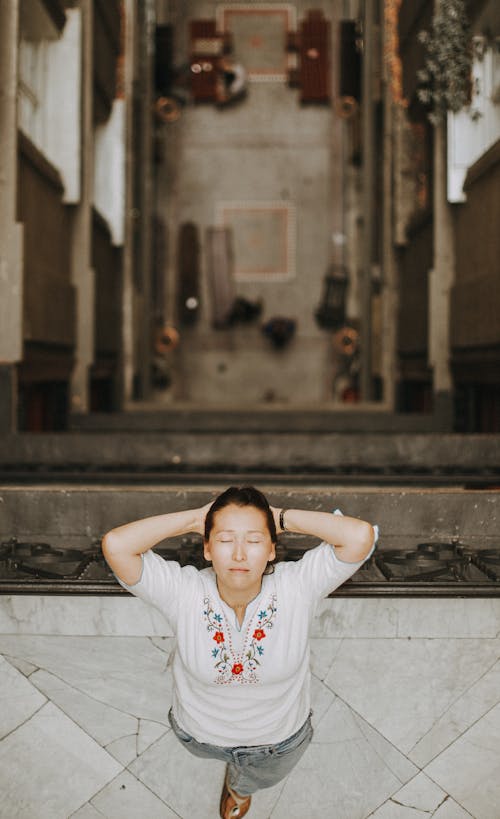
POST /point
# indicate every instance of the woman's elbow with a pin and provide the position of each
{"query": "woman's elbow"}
(367, 539)
(109, 543)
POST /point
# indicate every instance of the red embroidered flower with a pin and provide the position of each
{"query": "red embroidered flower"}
(259, 633)
(237, 668)
(219, 636)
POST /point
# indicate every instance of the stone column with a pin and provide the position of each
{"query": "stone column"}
(11, 232)
(83, 275)
(441, 279)
(367, 121)
(389, 307)
(145, 219)
(127, 343)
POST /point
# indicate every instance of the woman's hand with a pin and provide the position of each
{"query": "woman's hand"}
(201, 515)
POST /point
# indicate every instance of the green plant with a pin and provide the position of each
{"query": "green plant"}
(446, 78)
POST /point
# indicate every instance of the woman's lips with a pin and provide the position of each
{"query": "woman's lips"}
(239, 570)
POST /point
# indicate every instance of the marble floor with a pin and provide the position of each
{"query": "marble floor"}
(406, 699)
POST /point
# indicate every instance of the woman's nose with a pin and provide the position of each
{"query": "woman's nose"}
(239, 549)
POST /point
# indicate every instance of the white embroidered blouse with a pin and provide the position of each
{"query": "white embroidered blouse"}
(247, 685)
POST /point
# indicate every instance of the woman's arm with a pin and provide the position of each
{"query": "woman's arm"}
(122, 547)
(353, 538)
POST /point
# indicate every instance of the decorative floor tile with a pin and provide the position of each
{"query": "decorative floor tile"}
(463, 713)
(402, 687)
(372, 700)
(49, 767)
(321, 700)
(86, 812)
(101, 721)
(259, 31)
(123, 749)
(181, 780)
(22, 666)
(344, 773)
(126, 673)
(419, 795)
(264, 238)
(392, 809)
(469, 770)
(149, 732)
(19, 700)
(341, 724)
(451, 810)
(323, 653)
(127, 798)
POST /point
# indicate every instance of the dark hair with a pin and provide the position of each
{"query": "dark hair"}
(241, 496)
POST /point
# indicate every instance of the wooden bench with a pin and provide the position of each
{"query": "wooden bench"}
(207, 46)
(313, 45)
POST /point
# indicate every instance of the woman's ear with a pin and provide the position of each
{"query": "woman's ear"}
(206, 550)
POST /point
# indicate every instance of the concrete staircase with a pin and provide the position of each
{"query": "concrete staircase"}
(69, 488)
(272, 455)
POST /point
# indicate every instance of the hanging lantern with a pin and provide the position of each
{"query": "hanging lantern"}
(331, 312)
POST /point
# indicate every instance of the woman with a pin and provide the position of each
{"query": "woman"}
(241, 673)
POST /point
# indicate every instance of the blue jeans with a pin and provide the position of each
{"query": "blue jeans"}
(251, 767)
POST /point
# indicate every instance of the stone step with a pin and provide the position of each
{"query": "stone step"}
(279, 418)
(77, 516)
(269, 452)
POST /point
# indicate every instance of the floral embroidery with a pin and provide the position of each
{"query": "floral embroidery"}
(229, 666)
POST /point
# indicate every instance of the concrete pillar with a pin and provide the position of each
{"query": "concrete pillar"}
(11, 232)
(83, 275)
(127, 345)
(389, 306)
(145, 329)
(367, 116)
(441, 279)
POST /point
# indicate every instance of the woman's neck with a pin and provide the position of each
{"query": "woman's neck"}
(238, 599)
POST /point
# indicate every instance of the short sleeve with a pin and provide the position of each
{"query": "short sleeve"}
(320, 571)
(160, 584)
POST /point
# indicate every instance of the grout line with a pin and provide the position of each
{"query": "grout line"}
(26, 720)
(448, 708)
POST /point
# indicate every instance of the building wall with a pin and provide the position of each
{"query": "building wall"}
(476, 293)
(475, 300)
(49, 298)
(49, 307)
(66, 73)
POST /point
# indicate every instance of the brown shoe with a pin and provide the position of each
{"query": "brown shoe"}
(233, 806)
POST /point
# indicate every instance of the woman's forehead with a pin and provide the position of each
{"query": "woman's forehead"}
(240, 516)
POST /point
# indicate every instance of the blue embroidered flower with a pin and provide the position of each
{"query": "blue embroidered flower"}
(215, 651)
(218, 617)
(260, 650)
(262, 614)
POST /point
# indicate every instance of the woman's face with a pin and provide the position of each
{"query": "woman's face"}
(239, 546)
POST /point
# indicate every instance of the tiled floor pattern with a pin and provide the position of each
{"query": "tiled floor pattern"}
(404, 727)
